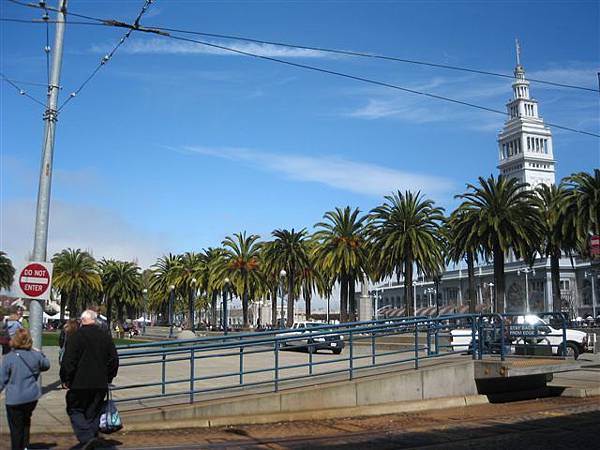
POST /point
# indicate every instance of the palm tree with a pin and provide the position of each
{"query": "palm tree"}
(406, 230)
(584, 208)
(463, 243)
(122, 283)
(211, 286)
(163, 278)
(506, 219)
(188, 271)
(341, 252)
(240, 263)
(289, 251)
(7, 271)
(271, 276)
(559, 233)
(75, 272)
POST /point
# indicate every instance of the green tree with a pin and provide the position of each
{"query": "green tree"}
(584, 206)
(406, 231)
(463, 243)
(212, 286)
(241, 264)
(341, 253)
(74, 274)
(7, 271)
(506, 219)
(122, 284)
(289, 251)
(188, 272)
(559, 235)
(163, 277)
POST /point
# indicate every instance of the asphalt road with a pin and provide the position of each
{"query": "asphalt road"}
(552, 423)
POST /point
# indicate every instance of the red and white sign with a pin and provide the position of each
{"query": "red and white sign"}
(35, 280)
(595, 245)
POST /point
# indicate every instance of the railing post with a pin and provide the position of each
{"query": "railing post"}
(437, 338)
(502, 339)
(192, 375)
(241, 365)
(310, 359)
(429, 352)
(373, 348)
(480, 339)
(416, 346)
(564, 335)
(351, 355)
(473, 338)
(164, 370)
(276, 365)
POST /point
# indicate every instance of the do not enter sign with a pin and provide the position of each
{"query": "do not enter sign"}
(35, 280)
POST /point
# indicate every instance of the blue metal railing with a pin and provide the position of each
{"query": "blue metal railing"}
(425, 337)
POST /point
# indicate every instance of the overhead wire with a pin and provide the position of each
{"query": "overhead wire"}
(20, 90)
(106, 58)
(366, 80)
(108, 22)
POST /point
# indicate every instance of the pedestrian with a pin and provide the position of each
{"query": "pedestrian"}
(13, 323)
(89, 365)
(67, 330)
(19, 375)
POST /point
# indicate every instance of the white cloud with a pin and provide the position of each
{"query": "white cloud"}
(171, 47)
(336, 172)
(103, 232)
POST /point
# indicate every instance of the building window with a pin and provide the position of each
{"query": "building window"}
(564, 285)
(528, 143)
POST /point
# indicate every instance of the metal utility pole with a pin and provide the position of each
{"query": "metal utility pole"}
(40, 242)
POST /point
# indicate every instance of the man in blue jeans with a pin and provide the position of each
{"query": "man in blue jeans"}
(89, 364)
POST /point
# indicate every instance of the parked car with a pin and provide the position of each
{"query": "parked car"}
(309, 335)
(542, 333)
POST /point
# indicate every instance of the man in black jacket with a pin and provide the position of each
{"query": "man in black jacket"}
(89, 364)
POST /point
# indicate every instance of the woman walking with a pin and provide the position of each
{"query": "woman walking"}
(19, 375)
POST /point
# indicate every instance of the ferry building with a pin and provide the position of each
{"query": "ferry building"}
(525, 152)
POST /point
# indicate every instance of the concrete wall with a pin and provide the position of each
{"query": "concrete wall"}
(454, 380)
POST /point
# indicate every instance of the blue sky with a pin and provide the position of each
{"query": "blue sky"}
(172, 146)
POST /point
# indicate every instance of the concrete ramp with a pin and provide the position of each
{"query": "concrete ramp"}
(442, 385)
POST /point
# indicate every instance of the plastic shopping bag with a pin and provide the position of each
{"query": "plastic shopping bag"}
(110, 420)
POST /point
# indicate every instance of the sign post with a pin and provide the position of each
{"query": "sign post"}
(595, 246)
(35, 283)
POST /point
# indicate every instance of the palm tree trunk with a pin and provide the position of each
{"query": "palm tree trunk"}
(307, 302)
(274, 306)
(344, 297)
(471, 275)
(73, 313)
(290, 300)
(63, 304)
(109, 304)
(213, 309)
(352, 296)
(245, 307)
(555, 274)
(499, 278)
(408, 291)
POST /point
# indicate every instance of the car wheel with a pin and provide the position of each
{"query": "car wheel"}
(337, 351)
(572, 352)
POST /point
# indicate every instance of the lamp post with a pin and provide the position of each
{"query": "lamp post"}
(591, 274)
(145, 292)
(376, 296)
(526, 271)
(192, 299)
(492, 304)
(429, 291)
(171, 303)
(225, 318)
(282, 275)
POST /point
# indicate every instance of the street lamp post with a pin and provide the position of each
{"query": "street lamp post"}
(591, 274)
(171, 303)
(526, 271)
(282, 275)
(225, 318)
(192, 300)
(376, 315)
(492, 303)
(145, 292)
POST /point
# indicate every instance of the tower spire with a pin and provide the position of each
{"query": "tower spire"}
(518, 51)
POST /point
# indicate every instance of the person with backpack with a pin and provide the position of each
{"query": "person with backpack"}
(19, 375)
